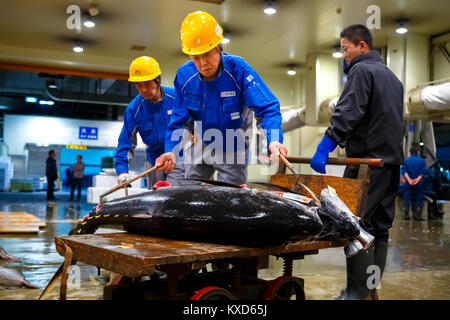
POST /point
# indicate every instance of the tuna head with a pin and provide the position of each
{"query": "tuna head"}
(340, 221)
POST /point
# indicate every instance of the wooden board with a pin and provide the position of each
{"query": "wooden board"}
(106, 251)
(19, 222)
(349, 190)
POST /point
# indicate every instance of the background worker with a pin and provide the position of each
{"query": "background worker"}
(368, 122)
(148, 114)
(77, 179)
(52, 174)
(217, 91)
(414, 170)
(433, 186)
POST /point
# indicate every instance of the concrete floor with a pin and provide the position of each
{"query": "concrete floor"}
(417, 265)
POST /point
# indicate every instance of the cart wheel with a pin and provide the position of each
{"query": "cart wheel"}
(285, 288)
(213, 293)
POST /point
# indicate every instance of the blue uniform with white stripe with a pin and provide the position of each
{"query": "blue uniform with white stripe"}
(219, 103)
(222, 104)
(150, 120)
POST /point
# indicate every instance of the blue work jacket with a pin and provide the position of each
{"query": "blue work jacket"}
(219, 103)
(415, 166)
(148, 119)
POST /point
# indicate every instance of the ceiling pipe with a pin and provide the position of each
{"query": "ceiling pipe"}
(59, 95)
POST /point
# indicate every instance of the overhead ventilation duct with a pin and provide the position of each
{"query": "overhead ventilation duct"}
(80, 97)
(429, 101)
(293, 119)
(326, 109)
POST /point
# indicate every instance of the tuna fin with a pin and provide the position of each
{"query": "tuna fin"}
(217, 183)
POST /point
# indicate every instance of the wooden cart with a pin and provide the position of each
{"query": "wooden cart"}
(180, 262)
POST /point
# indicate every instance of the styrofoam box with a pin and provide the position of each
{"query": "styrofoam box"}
(93, 194)
(108, 181)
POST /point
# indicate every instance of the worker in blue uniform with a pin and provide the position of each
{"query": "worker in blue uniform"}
(218, 92)
(368, 122)
(147, 114)
(432, 187)
(414, 170)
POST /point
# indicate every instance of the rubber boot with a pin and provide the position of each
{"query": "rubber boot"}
(417, 214)
(357, 276)
(437, 212)
(406, 213)
(380, 255)
(430, 210)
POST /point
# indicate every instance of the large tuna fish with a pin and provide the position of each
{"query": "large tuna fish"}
(216, 214)
(11, 279)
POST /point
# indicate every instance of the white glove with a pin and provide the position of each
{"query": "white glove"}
(122, 178)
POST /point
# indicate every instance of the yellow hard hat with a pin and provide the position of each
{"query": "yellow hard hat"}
(144, 69)
(200, 33)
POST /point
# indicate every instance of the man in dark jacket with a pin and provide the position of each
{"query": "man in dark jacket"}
(52, 174)
(368, 122)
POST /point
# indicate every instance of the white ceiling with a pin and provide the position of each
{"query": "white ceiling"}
(35, 31)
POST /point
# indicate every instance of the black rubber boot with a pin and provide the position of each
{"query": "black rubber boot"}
(430, 212)
(380, 255)
(417, 214)
(357, 276)
(406, 213)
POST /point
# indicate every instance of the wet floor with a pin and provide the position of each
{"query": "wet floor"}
(417, 267)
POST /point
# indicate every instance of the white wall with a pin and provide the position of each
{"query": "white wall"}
(19, 130)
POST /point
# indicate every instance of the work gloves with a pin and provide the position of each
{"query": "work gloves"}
(320, 158)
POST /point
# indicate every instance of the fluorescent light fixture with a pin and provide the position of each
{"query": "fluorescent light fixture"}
(78, 48)
(52, 85)
(225, 40)
(291, 71)
(31, 99)
(337, 54)
(45, 102)
(401, 29)
(2, 107)
(89, 23)
(269, 9)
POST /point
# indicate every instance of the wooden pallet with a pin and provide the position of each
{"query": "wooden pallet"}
(20, 222)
